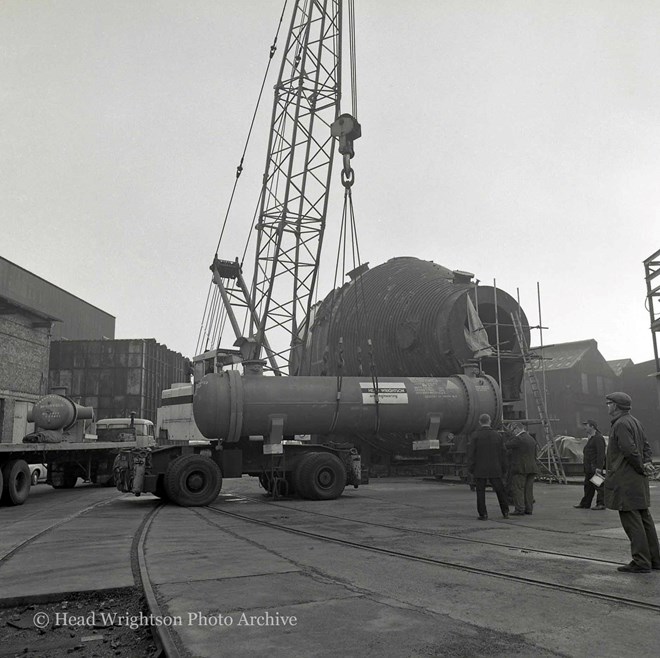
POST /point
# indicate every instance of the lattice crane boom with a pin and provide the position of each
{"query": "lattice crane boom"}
(297, 176)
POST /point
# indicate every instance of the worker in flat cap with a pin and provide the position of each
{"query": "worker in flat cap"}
(626, 485)
(593, 458)
(522, 450)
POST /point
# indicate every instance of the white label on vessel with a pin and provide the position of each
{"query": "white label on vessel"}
(388, 393)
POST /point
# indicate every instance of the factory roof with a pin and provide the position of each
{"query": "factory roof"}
(562, 356)
(619, 364)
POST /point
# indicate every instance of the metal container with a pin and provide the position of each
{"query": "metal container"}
(415, 313)
(229, 406)
(55, 412)
(116, 377)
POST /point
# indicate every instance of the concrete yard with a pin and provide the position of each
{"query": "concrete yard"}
(439, 582)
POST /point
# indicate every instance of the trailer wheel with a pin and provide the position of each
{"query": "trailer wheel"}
(35, 476)
(69, 478)
(16, 482)
(192, 481)
(320, 476)
(266, 483)
(297, 477)
(159, 491)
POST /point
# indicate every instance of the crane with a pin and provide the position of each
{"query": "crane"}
(306, 126)
(258, 425)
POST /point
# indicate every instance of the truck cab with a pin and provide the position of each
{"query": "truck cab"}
(126, 429)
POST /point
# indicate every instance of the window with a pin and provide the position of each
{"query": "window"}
(585, 383)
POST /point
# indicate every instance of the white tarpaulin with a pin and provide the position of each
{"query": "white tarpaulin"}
(475, 334)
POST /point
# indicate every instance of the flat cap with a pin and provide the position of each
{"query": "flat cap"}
(622, 400)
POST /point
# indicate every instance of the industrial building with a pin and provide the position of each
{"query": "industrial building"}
(576, 377)
(76, 319)
(116, 377)
(51, 338)
(25, 335)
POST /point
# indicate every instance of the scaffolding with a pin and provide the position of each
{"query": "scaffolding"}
(652, 270)
(549, 458)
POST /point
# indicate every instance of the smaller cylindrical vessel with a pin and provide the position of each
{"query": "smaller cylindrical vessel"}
(228, 406)
(57, 412)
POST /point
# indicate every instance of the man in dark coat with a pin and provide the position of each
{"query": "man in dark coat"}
(626, 485)
(594, 457)
(522, 464)
(487, 462)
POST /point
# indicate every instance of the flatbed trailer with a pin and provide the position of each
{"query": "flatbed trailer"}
(65, 463)
(59, 442)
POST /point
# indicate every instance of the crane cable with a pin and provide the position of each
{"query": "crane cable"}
(211, 311)
(352, 58)
(359, 303)
(348, 225)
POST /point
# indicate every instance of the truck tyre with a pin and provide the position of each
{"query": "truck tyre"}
(320, 476)
(34, 478)
(193, 481)
(160, 492)
(16, 482)
(69, 478)
(266, 483)
(297, 477)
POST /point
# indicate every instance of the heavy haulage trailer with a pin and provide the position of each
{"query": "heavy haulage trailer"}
(254, 426)
(58, 442)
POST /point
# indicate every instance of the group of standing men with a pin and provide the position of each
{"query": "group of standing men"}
(626, 460)
(494, 460)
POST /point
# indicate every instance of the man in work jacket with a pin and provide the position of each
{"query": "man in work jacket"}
(487, 462)
(594, 457)
(626, 485)
(522, 464)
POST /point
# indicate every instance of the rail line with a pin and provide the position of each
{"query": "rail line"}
(537, 582)
(8, 554)
(162, 634)
(444, 535)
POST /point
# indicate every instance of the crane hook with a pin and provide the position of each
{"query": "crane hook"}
(347, 130)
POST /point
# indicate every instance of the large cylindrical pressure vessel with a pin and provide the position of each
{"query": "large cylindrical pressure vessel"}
(420, 318)
(228, 406)
(56, 412)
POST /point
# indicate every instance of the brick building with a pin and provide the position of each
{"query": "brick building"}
(25, 335)
(576, 377)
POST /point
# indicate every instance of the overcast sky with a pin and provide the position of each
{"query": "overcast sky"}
(516, 140)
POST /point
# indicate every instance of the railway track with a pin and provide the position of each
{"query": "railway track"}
(445, 563)
(162, 633)
(423, 545)
(446, 535)
(47, 612)
(7, 554)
